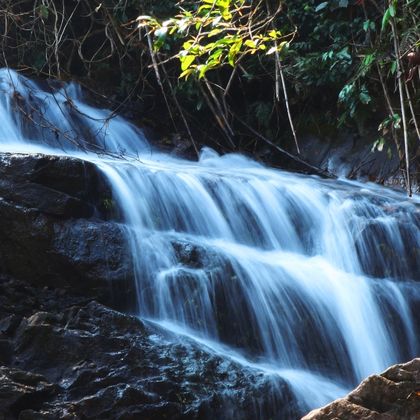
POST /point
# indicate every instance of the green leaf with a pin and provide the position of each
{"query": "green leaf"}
(369, 25)
(394, 67)
(385, 19)
(368, 60)
(187, 45)
(392, 10)
(43, 11)
(274, 34)
(205, 8)
(346, 92)
(216, 55)
(250, 43)
(186, 73)
(366, 25)
(233, 52)
(202, 68)
(284, 45)
(321, 6)
(378, 145)
(344, 54)
(186, 61)
(364, 96)
(214, 32)
(396, 121)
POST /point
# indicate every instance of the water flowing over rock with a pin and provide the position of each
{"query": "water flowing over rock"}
(76, 359)
(298, 285)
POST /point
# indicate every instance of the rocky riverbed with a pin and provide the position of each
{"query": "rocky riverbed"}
(68, 352)
(88, 361)
(64, 352)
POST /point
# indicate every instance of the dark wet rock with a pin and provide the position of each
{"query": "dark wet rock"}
(55, 185)
(19, 389)
(236, 324)
(395, 394)
(92, 362)
(45, 200)
(189, 254)
(351, 156)
(54, 229)
(88, 361)
(196, 256)
(6, 351)
(20, 299)
(9, 324)
(390, 249)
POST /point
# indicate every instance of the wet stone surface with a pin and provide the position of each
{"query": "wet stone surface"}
(395, 394)
(63, 356)
(55, 228)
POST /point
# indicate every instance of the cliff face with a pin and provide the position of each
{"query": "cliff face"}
(394, 394)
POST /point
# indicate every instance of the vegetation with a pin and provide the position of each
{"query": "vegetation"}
(259, 73)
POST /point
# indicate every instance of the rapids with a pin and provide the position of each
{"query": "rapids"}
(312, 280)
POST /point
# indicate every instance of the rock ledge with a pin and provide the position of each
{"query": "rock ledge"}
(394, 394)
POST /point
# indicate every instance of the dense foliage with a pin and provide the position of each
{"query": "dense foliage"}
(259, 73)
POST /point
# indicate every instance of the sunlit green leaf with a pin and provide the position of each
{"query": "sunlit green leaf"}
(187, 61)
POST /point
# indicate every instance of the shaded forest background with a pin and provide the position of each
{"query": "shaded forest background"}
(340, 66)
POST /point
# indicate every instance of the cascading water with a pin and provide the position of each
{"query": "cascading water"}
(309, 279)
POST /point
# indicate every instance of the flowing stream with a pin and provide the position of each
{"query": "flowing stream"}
(313, 280)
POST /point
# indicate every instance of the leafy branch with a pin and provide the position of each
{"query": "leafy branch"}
(217, 33)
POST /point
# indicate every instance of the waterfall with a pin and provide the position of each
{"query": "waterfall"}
(310, 279)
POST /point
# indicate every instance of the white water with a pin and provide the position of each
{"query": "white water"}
(263, 266)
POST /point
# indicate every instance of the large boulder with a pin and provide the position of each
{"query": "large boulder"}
(394, 394)
(59, 226)
(92, 362)
(56, 185)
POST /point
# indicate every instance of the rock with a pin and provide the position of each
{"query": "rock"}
(351, 156)
(6, 351)
(18, 389)
(395, 394)
(45, 200)
(377, 251)
(9, 324)
(56, 185)
(236, 324)
(91, 362)
(88, 361)
(55, 229)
